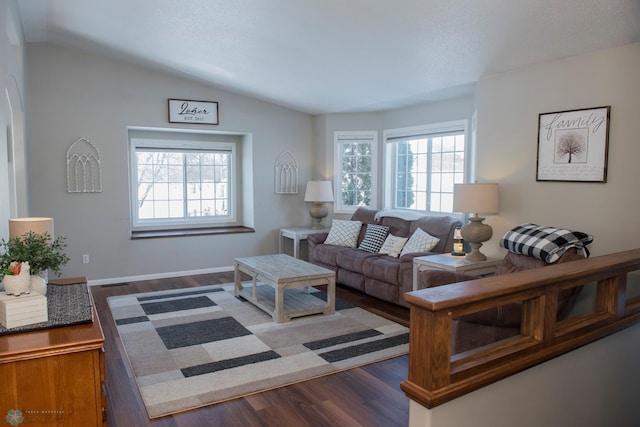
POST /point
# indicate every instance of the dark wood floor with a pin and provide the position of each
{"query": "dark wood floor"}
(366, 396)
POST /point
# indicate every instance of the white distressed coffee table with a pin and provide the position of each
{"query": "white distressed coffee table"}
(286, 295)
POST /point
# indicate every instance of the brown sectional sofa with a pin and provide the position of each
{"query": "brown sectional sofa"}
(375, 274)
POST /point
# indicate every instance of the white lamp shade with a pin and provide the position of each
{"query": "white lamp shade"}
(476, 198)
(318, 191)
(18, 227)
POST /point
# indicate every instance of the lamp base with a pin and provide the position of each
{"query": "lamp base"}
(475, 254)
(476, 233)
(318, 211)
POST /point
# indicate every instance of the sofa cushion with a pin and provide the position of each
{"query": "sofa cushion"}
(344, 233)
(374, 237)
(441, 227)
(397, 226)
(393, 245)
(420, 241)
(350, 279)
(383, 268)
(381, 289)
(326, 254)
(352, 259)
(365, 216)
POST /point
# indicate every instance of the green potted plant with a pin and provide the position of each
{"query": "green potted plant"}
(41, 252)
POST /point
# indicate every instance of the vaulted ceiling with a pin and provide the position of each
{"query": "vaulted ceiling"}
(326, 56)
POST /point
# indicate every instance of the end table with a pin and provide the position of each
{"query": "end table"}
(297, 234)
(449, 262)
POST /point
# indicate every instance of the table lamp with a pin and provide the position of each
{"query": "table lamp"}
(318, 192)
(476, 198)
(18, 227)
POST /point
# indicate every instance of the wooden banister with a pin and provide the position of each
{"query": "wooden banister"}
(437, 376)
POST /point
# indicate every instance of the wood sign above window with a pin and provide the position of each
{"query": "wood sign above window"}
(185, 111)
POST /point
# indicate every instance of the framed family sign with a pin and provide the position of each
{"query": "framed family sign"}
(186, 111)
(573, 145)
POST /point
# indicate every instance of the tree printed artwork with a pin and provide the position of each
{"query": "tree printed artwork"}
(571, 146)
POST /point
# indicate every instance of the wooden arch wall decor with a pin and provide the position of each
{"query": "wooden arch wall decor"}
(84, 169)
(286, 181)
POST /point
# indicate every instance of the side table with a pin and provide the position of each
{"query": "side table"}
(55, 377)
(449, 262)
(297, 234)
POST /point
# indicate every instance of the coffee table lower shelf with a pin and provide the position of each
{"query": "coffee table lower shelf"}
(296, 302)
(279, 285)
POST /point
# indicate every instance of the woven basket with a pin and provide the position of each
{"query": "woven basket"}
(16, 285)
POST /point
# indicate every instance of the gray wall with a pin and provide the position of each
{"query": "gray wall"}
(75, 94)
(13, 182)
(508, 108)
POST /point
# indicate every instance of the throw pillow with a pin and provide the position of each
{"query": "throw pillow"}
(420, 241)
(393, 245)
(343, 233)
(374, 238)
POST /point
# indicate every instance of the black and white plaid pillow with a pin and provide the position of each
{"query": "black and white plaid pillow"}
(374, 237)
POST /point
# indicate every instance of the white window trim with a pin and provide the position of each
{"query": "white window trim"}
(171, 139)
(338, 207)
(388, 157)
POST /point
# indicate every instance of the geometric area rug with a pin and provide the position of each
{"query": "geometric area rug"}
(194, 347)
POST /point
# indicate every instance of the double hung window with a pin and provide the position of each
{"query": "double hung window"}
(355, 177)
(422, 164)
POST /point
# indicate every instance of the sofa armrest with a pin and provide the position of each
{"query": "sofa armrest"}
(313, 240)
(317, 238)
(432, 278)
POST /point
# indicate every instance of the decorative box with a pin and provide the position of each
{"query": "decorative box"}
(22, 310)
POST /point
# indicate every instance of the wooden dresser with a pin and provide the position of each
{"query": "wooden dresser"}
(54, 377)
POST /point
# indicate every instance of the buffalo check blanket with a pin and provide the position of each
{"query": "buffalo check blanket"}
(545, 243)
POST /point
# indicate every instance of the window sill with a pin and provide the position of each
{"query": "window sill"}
(184, 232)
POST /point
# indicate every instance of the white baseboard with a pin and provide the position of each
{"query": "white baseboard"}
(167, 275)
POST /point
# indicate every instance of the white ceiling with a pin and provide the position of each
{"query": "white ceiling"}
(324, 56)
